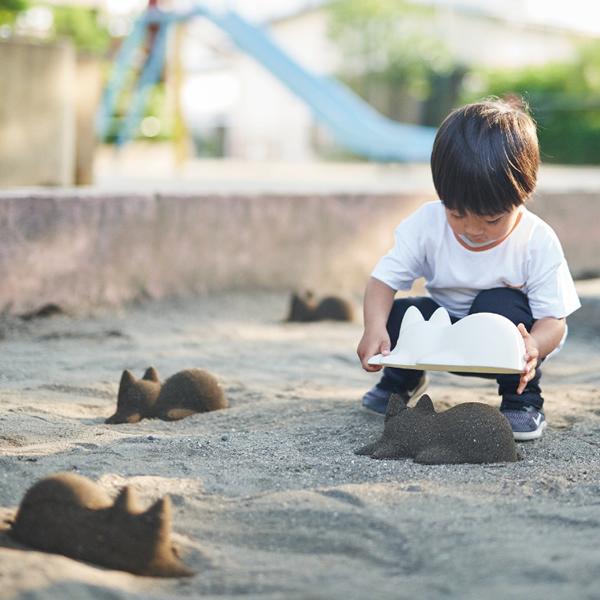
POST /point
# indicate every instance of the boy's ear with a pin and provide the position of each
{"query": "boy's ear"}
(425, 405)
(151, 374)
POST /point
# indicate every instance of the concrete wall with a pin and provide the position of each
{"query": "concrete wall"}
(81, 249)
(88, 92)
(37, 118)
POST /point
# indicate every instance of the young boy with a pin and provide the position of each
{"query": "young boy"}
(479, 250)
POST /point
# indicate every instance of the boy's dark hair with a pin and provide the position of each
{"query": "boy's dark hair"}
(485, 157)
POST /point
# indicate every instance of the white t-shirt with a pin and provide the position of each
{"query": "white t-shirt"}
(530, 259)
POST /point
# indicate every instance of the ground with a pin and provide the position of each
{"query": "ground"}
(269, 499)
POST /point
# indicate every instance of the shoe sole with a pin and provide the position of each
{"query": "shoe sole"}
(525, 436)
(416, 392)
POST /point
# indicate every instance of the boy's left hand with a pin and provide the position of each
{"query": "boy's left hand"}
(532, 354)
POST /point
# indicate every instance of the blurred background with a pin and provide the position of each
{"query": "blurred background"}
(111, 92)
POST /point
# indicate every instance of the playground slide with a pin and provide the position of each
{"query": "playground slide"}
(355, 125)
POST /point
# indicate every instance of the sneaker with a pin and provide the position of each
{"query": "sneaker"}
(376, 399)
(527, 423)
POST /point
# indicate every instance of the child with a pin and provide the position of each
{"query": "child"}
(479, 250)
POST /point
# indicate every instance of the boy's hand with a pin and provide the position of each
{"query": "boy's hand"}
(532, 354)
(373, 343)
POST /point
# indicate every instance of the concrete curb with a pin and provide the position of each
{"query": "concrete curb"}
(83, 248)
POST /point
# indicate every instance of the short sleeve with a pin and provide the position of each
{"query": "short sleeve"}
(404, 262)
(550, 286)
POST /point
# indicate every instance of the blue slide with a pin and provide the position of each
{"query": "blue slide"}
(355, 125)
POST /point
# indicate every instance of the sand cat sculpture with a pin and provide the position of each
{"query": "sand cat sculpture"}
(71, 515)
(181, 395)
(467, 433)
(43, 312)
(305, 308)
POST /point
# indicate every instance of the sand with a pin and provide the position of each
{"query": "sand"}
(269, 500)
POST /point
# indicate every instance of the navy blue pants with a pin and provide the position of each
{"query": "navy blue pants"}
(508, 302)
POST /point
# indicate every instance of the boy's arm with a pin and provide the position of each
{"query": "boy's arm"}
(546, 334)
(378, 301)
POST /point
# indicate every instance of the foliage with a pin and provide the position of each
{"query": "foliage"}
(388, 37)
(81, 25)
(9, 9)
(156, 105)
(390, 45)
(564, 99)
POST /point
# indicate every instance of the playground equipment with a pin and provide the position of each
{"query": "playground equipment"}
(355, 125)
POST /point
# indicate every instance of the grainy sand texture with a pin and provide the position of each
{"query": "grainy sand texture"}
(269, 500)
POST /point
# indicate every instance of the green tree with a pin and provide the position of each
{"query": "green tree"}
(81, 25)
(9, 9)
(387, 36)
(564, 99)
(390, 44)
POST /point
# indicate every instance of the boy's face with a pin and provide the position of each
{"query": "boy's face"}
(480, 230)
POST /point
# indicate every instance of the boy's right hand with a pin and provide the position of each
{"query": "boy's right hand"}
(372, 343)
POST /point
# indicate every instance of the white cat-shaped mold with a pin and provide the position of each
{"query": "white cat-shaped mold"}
(478, 343)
